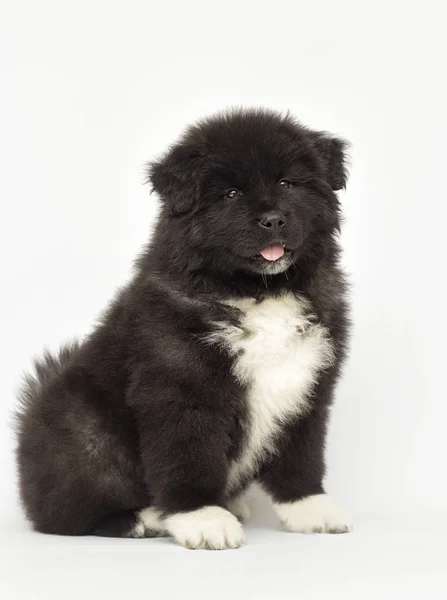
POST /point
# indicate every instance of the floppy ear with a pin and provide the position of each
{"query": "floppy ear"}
(332, 151)
(176, 179)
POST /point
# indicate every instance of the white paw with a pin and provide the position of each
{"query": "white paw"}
(314, 514)
(153, 522)
(211, 527)
(149, 524)
(239, 509)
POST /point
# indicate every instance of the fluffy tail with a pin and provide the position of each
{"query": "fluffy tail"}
(45, 369)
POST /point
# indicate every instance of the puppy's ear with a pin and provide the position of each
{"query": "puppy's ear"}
(176, 179)
(332, 152)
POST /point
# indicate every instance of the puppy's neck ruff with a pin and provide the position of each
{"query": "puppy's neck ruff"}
(279, 350)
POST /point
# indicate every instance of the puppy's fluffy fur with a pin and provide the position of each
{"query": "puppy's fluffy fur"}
(215, 366)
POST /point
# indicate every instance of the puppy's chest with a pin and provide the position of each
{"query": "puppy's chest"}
(278, 350)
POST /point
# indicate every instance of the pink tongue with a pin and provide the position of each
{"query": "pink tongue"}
(273, 252)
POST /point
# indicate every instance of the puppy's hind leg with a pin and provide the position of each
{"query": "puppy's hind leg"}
(239, 508)
(144, 523)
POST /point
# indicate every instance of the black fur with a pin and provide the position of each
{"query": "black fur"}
(142, 412)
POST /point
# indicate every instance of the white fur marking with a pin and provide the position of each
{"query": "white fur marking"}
(149, 524)
(151, 519)
(137, 531)
(314, 514)
(239, 509)
(279, 350)
(211, 527)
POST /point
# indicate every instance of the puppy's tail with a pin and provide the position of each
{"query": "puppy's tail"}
(46, 369)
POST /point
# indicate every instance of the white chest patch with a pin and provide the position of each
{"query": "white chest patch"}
(279, 350)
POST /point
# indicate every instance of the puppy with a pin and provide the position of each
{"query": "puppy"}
(216, 365)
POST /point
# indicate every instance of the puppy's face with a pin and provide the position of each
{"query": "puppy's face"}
(251, 191)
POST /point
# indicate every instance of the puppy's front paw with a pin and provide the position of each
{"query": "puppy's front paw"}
(211, 527)
(314, 514)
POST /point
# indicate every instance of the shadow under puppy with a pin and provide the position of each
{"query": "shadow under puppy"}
(215, 366)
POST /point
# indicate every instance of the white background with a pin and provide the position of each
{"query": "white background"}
(90, 90)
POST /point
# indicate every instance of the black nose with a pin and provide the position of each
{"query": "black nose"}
(273, 221)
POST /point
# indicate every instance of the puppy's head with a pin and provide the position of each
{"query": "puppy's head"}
(251, 190)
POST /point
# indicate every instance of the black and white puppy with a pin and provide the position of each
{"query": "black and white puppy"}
(216, 365)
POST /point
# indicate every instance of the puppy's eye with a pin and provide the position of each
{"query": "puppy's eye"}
(284, 183)
(231, 194)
